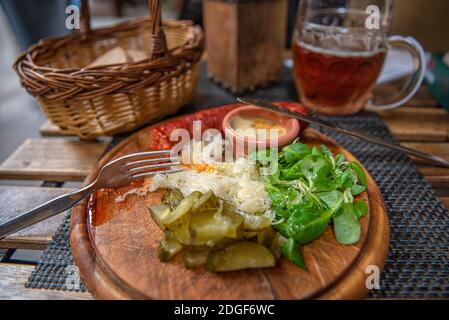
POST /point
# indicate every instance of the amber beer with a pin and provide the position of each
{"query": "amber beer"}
(335, 82)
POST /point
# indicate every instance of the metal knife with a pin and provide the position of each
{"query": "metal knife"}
(350, 132)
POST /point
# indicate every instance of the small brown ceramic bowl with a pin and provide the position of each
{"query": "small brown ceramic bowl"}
(290, 125)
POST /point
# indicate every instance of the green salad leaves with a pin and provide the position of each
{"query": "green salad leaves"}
(311, 188)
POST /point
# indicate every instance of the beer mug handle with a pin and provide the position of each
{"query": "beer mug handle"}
(415, 80)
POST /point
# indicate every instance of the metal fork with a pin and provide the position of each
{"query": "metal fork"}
(115, 174)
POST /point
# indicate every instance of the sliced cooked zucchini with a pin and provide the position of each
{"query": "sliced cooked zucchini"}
(254, 222)
(249, 234)
(210, 245)
(265, 237)
(203, 222)
(193, 259)
(207, 202)
(173, 198)
(276, 245)
(240, 255)
(158, 212)
(181, 214)
(207, 228)
(168, 247)
(182, 233)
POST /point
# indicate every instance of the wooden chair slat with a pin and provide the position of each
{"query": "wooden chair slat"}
(16, 200)
(423, 98)
(418, 124)
(438, 148)
(52, 160)
(49, 129)
(437, 176)
(12, 283)
(439, 182)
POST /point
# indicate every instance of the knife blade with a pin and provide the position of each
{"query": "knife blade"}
(340, 129)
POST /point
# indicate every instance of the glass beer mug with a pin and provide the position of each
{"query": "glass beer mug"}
(339, 47)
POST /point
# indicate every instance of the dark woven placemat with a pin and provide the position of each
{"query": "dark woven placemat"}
(418, 261)
(56, 269)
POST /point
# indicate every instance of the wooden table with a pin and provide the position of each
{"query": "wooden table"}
(420, 124)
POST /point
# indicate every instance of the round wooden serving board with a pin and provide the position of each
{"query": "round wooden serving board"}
(114, 241)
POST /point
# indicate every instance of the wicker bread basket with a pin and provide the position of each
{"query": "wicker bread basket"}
(109, 99)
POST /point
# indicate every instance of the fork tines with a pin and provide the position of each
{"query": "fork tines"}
(144, 164)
